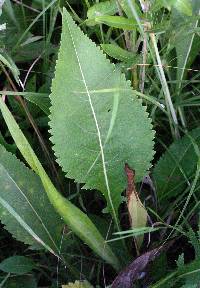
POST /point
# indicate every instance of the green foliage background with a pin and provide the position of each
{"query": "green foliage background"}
(86, 87)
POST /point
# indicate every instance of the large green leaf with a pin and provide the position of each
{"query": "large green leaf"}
(117, 22)
(17, 264)
(97, 122)
(118, 53)
(176, 166)
(19, 189)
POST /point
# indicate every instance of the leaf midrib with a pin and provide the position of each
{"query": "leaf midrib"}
(96, 124)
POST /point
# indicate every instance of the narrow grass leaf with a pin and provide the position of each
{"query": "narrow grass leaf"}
(117, 22)
(118, 53)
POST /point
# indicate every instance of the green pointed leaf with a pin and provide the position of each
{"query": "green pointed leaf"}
(117, 22)
(174, 169)
(100, 9)
(23, 215)
(17, 264)
(118, 53)
(97, 122)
